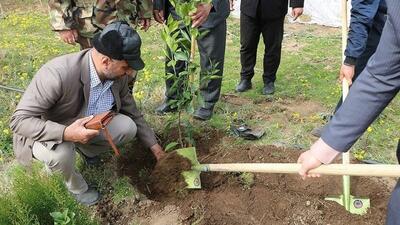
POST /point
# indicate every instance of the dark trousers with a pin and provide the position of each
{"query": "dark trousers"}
(374, 37)
(393, 212)
(272, 32)
(212, 54)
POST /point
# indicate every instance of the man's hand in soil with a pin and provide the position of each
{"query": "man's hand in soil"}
(157, 151)
(201, 15)
(69, 36)
(76, 132)
(308, 162)
(347, 72)
(296, 12)
(158, 16)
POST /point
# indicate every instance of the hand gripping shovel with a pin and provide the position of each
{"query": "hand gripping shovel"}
(192, 177)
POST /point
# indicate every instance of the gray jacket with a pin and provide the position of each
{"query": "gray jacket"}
(373, 90)
(57, 96)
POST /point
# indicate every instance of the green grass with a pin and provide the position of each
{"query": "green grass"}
(123, 190)
(30, 197)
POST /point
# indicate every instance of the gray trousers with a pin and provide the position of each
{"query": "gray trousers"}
(393, 212)
(62, 158)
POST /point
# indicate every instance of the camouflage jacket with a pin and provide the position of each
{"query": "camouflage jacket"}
(89, 16)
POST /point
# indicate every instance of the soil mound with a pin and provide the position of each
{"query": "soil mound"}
(166, 177)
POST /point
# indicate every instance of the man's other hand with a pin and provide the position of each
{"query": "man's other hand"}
(308, 162)
(296, 12)
(201, 14)
(69, 36)
(159, 16)
(76, 132)
(347, 72)
(157, 151)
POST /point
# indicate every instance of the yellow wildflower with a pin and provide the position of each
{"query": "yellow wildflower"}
(6, 131)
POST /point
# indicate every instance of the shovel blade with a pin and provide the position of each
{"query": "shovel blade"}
(358, 206)
(192, 177)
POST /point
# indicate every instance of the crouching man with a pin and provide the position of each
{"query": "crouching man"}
(66, 92)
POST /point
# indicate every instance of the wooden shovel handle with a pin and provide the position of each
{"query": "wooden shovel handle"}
(380, 170)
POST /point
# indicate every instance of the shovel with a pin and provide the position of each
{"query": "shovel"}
(192, 177)
(352, 204)
(357, 206)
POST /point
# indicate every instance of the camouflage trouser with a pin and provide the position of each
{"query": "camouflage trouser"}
(84, 42)
(86, 31)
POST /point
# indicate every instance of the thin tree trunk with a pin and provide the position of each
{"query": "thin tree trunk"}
(179, 129)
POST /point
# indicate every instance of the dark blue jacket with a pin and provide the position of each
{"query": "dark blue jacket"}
(365, 15)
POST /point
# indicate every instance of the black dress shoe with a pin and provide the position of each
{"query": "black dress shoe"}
(203, 114)
(164, 108)
(269, 88)
(244, 85)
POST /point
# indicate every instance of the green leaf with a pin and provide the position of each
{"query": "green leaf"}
(164, 35)
(186, 35)
(187, 95)
(171, 63)
(194, 32)
(182, 56)
(166, 54)
(183, 76)
(214, 77)
(203, 33)
(173, 26)
(169, 76)
(175, 35)
(170, 146)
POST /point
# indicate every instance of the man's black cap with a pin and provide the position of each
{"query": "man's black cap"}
(120, 42)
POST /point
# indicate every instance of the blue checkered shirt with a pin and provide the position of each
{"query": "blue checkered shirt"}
(101, 98)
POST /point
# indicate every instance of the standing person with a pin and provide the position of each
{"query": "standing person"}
(367, 20)
(266, 18)
(211, 17)
(48, 123)
(376, 86)
(77, 21)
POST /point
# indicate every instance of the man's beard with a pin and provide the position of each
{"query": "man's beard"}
(110, 76)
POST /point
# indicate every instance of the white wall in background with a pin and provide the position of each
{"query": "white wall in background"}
(323, 12)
